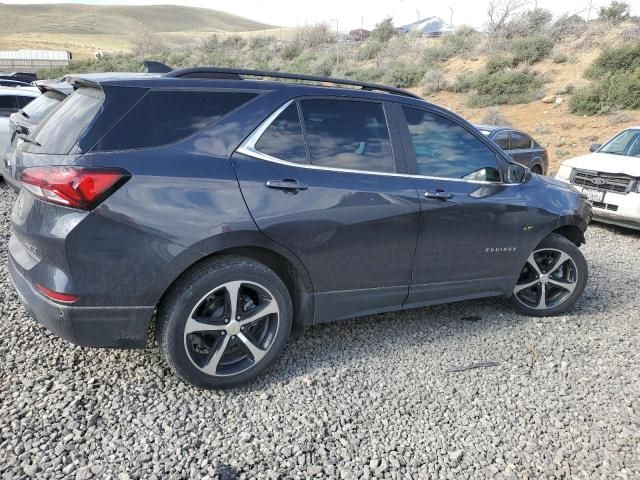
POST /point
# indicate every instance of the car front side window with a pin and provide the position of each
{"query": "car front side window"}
(447, 150)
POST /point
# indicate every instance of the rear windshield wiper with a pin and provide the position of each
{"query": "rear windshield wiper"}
(24, 114)
(28, 139)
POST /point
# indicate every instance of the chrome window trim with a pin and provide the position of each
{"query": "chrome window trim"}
(248, 148)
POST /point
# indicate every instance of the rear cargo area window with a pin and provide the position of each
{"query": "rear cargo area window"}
(60, 131)
(167, 116)
(283, 139)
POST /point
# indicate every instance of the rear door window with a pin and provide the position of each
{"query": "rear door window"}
(283, 138)
(347, 134)
(502, 140)
(520, 141)
(167, 116)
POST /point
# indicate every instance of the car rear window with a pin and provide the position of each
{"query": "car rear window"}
(167, 116)
(59, 132)
(42, 105)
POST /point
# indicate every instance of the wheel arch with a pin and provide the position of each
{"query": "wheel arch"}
(283, 263)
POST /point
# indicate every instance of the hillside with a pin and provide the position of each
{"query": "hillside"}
(82, 29)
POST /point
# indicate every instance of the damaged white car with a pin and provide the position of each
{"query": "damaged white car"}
(610, 178)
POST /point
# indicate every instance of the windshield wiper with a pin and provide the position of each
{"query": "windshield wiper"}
(28, 139)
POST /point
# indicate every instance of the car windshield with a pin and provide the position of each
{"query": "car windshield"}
(38, 109)
(626, 143)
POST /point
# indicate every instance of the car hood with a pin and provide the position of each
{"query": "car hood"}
(606, 162)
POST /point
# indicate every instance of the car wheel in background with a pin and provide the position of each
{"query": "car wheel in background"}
(224, 322)
(552, 279)
(537, 169)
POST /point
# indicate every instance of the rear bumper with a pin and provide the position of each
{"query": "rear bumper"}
(124, 327)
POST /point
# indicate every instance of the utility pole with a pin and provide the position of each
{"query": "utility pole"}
(337, 44)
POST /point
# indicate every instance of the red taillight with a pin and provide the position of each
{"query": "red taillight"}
(75, 187)
(56, 296)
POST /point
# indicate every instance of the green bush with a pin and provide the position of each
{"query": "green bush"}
(403, 75)
(613, 60)
(531, 49)
(432, 81)
(452, 44)
(498, 63)
(291, 50)
(369, 74)
(117, 63)
(560, 57)
(370, 49)
(499, 88)
(612, 92)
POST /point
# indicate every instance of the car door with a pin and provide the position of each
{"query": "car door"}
(471, 222)
(325, 177)
(522, 150)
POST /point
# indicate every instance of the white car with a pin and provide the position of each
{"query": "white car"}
(610, 178)
(12, 99)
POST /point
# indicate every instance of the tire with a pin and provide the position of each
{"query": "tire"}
(537, 169)
(209, 352)
(560, 272)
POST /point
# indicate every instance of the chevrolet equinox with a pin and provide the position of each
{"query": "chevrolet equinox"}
(230, 207)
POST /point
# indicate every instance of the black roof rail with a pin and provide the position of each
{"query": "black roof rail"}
(238, 73)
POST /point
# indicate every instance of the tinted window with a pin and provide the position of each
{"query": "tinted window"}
(7, 101)
(445, 149)
(502, 140)
(347, 134)
(24, 100)
(520, 141)
(283, 139)
(42, 105)
(60, 131)
(164, 117)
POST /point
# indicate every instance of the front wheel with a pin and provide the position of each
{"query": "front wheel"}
(224, 322)
(552, 279)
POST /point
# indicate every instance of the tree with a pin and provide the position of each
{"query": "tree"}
(616, 12)
(500, 13)
(145, 43)
(384, 30)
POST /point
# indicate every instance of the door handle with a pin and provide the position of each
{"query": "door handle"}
(288, 185)
(438, 195)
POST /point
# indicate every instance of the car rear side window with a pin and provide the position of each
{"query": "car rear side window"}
(520, 141)
(347, 134)
(167, 116)
(446, 149)
(8, 104)
(283, 139)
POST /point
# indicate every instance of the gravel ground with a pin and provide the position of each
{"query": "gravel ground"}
(374, 397)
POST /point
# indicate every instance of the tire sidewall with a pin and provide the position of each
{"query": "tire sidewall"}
(558, 242)
(177, 313)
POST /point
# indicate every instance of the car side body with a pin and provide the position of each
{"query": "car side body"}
(518, 145)
(12, 99)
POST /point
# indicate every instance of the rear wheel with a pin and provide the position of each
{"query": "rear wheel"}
(537, 169)
(552, 279)
(225, 322)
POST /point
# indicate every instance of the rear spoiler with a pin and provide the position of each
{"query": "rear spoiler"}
(156, 67)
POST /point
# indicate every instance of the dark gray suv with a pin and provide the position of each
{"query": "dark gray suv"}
(230, 210)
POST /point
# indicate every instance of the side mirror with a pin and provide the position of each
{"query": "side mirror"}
(595, 147)
(516, 173)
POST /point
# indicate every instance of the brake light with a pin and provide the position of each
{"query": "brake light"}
(75, 187)
(56, 296)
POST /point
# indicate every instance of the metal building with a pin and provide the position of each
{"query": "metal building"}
(31, 60)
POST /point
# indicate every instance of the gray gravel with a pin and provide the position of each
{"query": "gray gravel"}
(382, 396)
